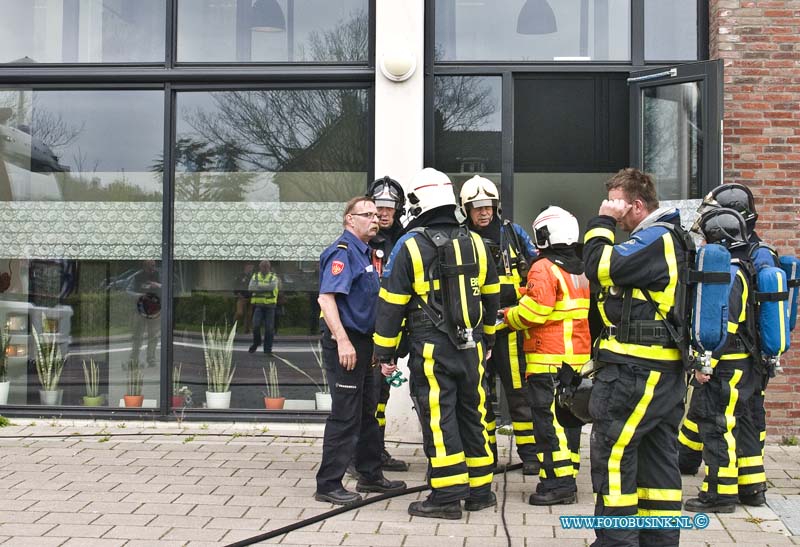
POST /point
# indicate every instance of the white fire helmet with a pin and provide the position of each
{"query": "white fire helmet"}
(555, 226)
(478, 192)
(428, 190)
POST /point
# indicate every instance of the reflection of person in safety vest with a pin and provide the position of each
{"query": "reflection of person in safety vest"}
(554, 312)
(721, 397)
(145, 288)
(512, 252)
(441, 280)
(637, 399)
(264, 287)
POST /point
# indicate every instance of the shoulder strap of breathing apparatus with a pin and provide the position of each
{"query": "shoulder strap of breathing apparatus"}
(455, 308)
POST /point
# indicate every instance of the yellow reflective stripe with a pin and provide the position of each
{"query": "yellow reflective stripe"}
(462, 286)
(658, 513)
(601, 308)
(394, 298)
(490, 288)
(492, 439)
(599, 232)
(380, 408)
(489, 328)
(733, 327)
(647, 352)
(730, 472)
(513, 360)
(420, 285)
(385, 341)
(620, 500)
(381, 422)
(564, 471)
(522, 426)
(762, 436)
(667, 300)
(751, 461)
(690, 425)
(753, 478)
(734, 356)
(475, 482)
(568, 347)
(480, 461)
(491, 425)
(445, 461)
(525, 439)
(730, 489)
(509, 280)
(745, 291)
(572, 304)
(488, 429)
(658, 494)
(615, 459)
(730, 419)
(433, 400)
(454, 480)
(687, 442)
(604, 267)
(480, 251)
(556, 358)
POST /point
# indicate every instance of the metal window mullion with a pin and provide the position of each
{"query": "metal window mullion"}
(507, 142)
(637, 33)
(171, 34)
(167, 241)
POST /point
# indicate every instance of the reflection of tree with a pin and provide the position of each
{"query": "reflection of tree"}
(347, 42)
(49, 127)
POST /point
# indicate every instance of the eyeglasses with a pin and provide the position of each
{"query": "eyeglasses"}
(365, 215)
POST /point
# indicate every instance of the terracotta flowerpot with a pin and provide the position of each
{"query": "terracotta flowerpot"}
(178, 401)
(274, 403)
(133, 401)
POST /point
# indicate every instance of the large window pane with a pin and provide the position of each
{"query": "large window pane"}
(533, 30)
(260, 175)
(80, 210)
(82, 31)
(214, 31)
(670, 30)
(467, 127)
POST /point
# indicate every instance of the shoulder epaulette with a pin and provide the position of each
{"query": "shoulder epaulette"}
(342, 245)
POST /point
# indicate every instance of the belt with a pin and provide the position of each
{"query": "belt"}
(644, 333)
(418, 319)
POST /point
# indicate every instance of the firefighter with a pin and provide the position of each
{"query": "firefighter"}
(390, 199)
(348, 292)
(637, 399)
(513, 251)
(264, 287)
(441, 280)
(751, 472)
(721, 398)
(553, 311)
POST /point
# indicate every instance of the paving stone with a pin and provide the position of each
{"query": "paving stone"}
(79, 530)
(137, 532)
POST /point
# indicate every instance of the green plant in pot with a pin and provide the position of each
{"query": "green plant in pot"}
(218, 357)
(323, 394)
(5, 339)
(49, 366)
(133, 392)
(272, 397)
(91, 377)
(181, 395)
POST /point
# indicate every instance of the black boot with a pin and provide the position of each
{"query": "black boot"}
(553, 497)
(476, 504)
(698, 505)
(388, 463)
(449, 511)
(531, 467)
(753, 500)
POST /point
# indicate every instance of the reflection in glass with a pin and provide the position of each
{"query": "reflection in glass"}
(670, 30)
(85, 31)
(273, 31)
(672, 138)
(467, 127)
(533, 30)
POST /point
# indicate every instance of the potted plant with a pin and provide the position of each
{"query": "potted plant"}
(4, 383)
(49, 365)
(272, 397)
(323, 394)
(181, 395)
(218, 356)
(91, 376)
(133, 393)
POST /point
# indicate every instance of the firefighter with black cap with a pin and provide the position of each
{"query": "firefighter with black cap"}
(725, 385)
(553, 312)
(440, 278)
(751, 472)
(637, 399)
(390, 199)
(513, 251)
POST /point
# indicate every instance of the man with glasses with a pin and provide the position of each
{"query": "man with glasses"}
(348, 294)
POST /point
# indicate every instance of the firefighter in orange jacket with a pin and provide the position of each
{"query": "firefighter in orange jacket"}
(553, 311)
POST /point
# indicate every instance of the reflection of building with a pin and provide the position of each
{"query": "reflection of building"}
(280, 116)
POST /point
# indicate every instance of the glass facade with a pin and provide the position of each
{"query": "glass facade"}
(670, 30)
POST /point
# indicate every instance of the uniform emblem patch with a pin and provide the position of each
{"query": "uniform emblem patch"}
(337, 267)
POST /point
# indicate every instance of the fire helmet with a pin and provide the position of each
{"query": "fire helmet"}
(387, 192)
(428, 190)
(555, 226)
(478, 192)
(733, 196)
(723, 226)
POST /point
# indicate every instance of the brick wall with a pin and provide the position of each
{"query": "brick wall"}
(760, 44)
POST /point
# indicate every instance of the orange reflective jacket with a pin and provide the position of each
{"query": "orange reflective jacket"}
(553, 312)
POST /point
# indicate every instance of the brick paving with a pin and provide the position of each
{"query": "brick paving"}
(80, 483)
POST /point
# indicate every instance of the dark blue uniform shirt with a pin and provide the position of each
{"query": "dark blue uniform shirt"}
(346, 270)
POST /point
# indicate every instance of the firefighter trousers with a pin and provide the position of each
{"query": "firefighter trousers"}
(634, 448)
(351, 430)
(508, 362)
(380, 412)
(556, 444)
(449, 390)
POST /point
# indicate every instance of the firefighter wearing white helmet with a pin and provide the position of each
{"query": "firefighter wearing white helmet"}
(554, 313)
(512, 250)
(440, 281)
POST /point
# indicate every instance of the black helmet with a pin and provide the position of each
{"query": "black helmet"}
(387, 192)
(724, 226)
(733, 196)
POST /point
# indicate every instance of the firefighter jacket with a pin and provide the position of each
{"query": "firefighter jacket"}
(382, 245)
(648, 261)
(264, 287)
(741, 316)
(410, 273)
(553, 311)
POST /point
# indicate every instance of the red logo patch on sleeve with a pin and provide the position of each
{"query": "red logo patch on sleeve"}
(337, 267)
